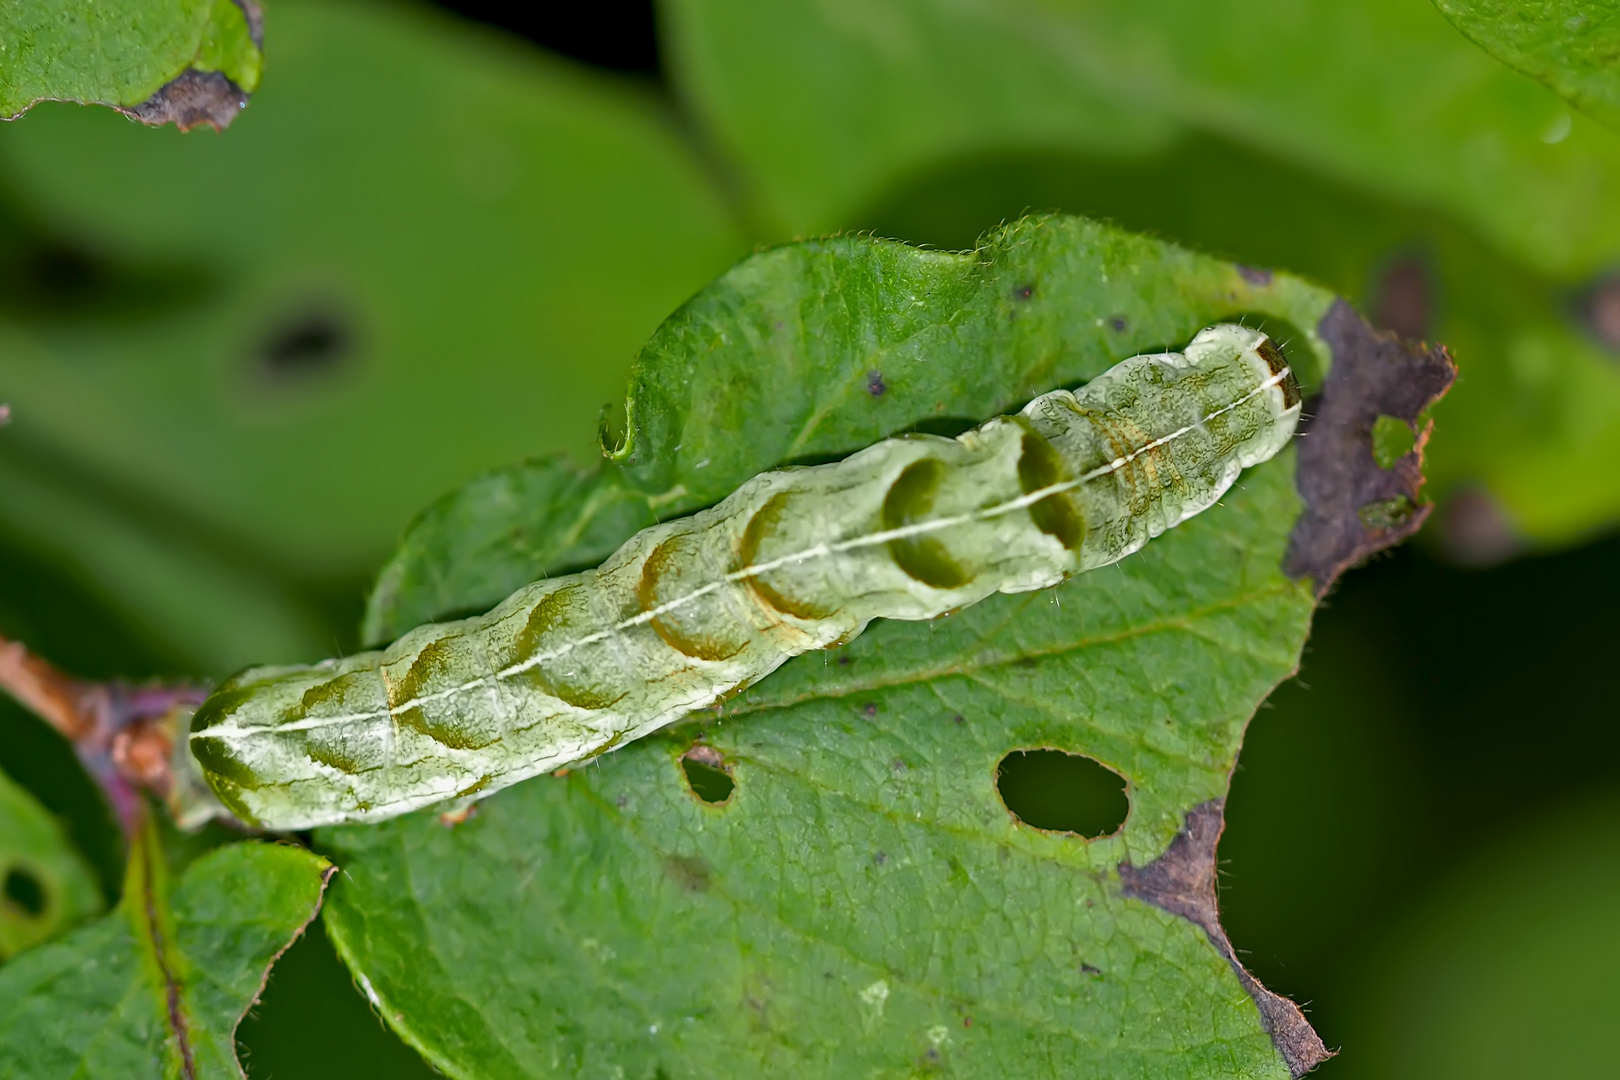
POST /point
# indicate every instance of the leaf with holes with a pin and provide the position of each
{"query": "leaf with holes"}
(226, 406)
(188, 63)
(1312, 134)
(45, 887)
(823, 877)
(1573, 46)
(157, 988)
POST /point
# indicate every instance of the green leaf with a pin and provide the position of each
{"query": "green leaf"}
(1383, 94)
(157, 988)
(477, 545)
(861, 901)
(45, 887)
(1318, 136)
(433, 251)
(1572, 46)
(190, 62)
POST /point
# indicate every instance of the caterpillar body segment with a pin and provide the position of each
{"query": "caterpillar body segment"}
(689, 611)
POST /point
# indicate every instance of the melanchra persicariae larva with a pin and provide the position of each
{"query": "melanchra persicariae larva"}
(691, 610)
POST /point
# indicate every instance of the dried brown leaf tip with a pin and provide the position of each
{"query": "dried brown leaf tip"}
(196, 97)
(1182, 882)
(191, 99)
(1355, 504)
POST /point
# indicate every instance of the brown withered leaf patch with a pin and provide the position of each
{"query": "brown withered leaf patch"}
(1354, 507)
(1182, 882)
(191, 99)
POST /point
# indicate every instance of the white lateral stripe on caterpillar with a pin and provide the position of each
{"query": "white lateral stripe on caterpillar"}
(883, 500)
(818, 551)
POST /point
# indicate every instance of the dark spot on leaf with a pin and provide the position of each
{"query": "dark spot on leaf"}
(25, 891)
(869, 710)
(622, 801)
(707, 775)
(1403, 302)
(691, 873)
(1182, 882)
(1600, 310)
(1118, 323)
(875, 384)
(880, 858)
(1023, 292)
(1374, 374)
(312, 345)
(44, 276)
(1254, 275)
(191, 99)
(63, 273)
(898, 766)
(1061, 792)
(844, 660)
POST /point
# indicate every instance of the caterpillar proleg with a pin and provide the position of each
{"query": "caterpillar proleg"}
(692, 610)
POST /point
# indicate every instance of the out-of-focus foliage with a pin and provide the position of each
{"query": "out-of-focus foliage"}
(239, 364)
(1367, 144)
(1571, 45)
(121, 52)
(157, 988)
(45, 886)
(1503, 974)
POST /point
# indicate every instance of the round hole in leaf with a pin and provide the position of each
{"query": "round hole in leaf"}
(25, 891)
(311, 345)
(706, 774)
(1062, 792)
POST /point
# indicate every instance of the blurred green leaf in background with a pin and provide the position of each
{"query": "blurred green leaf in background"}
(239, 364)
(1367, 144)
(1572, 46)
(250, 359)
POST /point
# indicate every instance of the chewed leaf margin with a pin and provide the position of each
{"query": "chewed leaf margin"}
(811, 351)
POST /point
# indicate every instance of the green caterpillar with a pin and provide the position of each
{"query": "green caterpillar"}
(690, 611)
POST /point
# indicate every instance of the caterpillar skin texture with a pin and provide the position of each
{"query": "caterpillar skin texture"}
(692, 610)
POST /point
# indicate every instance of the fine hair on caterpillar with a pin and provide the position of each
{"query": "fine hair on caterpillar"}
(690, 611)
